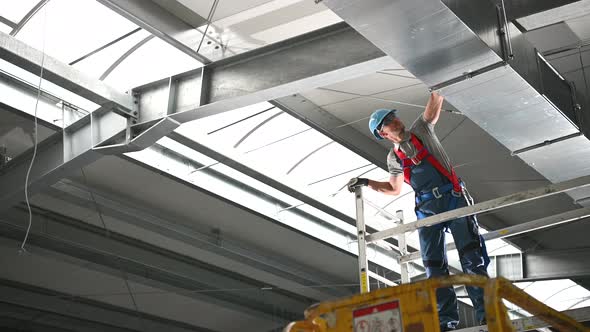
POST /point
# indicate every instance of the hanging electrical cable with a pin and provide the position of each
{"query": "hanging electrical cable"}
(35, 135)
(96, 206)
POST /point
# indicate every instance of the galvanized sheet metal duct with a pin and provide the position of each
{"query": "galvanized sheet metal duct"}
(502, 84)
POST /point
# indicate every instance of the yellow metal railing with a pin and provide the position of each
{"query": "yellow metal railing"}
(412, 307)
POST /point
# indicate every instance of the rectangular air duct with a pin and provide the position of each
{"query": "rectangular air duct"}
(485, 67)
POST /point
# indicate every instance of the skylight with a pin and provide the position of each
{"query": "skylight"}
(126, 59)
(286, 149)
(69, 29)
(16, 10)
(260, 136)
(74, 32)
(251, 193)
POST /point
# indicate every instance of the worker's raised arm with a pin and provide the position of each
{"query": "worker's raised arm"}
(391, 187)
(433, 108)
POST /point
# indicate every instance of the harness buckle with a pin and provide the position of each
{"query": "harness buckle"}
(456, 193)
(435, 192)
(416, 161)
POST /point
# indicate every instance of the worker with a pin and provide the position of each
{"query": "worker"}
(418, 158)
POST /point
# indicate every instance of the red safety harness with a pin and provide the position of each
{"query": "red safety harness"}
(422, 154)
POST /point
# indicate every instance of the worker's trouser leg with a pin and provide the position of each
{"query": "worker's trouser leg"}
(466, 236)
(433, 248)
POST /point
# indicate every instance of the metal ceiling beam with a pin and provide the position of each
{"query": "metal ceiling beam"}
(557, 264)
(148, 218)
(326, 123)
(114, 253)
(162, 23)
(54, 71)
(59, 155)
(74, 146)
(51, 308)
(314, 59)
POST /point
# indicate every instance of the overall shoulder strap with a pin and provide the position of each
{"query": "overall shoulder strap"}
(405, 162)
(423, 153)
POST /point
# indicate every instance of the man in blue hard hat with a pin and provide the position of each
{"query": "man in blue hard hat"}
(418, 158)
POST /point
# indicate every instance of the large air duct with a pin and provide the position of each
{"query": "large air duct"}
(485, 67)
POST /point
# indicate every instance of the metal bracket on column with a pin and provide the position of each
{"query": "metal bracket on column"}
(124, 112)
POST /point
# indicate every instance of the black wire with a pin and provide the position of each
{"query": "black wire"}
(124, 275)
(452, 130)
(211, 290)
(139, 318)
(96, 206)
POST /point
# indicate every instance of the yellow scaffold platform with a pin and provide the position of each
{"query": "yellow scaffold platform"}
(412, 308)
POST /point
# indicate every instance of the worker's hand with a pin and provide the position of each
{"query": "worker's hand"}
(356, 182)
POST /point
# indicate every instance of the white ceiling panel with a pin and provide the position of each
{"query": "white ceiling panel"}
(396, 71)
(224, 8)
(327, 97)
(552, 37)
(416, 94)
(267, 18)
(355, 109)
(373, 84)
(580, 26)
(563, 13)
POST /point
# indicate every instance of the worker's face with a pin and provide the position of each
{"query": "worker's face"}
(393, 130)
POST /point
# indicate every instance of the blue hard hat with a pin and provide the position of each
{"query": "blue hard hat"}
(377, 118)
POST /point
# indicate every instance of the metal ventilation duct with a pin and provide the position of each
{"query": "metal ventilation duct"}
(484, 67)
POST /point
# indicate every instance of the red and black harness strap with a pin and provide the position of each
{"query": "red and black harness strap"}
(422, 154)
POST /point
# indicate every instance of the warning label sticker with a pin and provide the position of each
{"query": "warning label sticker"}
(384, 317)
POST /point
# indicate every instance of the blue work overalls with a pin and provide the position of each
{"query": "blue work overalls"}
(434, 195)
